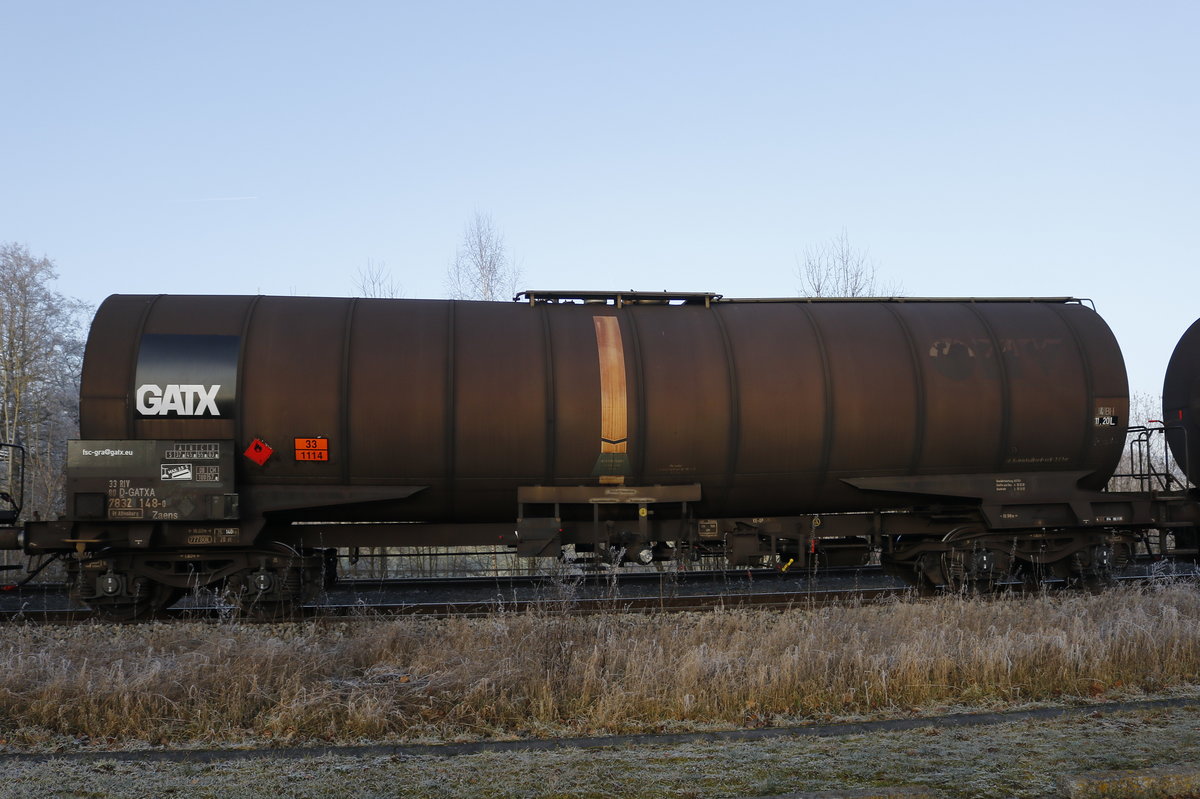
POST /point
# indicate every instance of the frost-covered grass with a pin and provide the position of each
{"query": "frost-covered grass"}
(530, 674)
(1021, 759)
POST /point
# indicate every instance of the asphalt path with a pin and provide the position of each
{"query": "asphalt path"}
(604, 742)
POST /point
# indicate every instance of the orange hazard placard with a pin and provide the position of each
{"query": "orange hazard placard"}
(312, 449)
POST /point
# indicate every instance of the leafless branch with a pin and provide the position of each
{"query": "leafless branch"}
(838, 269)
(41, 352)
(375, 280)
(482, 268)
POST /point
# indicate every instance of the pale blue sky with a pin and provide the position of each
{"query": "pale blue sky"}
(973, 148)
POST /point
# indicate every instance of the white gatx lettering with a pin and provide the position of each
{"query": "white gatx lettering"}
(207, 398)
(148, 399)
(172, 400)
(181, 400)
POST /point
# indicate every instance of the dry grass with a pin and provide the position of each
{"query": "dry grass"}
(534, 674)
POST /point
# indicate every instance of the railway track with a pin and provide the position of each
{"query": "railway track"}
(697, 602)
(482, 596)
(475, 595)
(510, 581)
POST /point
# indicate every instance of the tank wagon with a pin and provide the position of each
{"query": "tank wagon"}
(1181, 403)
(237, 441)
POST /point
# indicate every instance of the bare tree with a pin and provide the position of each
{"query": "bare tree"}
(375, 280)
(41, 353)
(482, 268)
(838, 269)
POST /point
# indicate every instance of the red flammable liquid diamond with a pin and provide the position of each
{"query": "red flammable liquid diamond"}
(258, 451)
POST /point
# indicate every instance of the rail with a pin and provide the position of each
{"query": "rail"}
(662, 602)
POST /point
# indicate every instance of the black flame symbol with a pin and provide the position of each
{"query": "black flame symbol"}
(257, 446)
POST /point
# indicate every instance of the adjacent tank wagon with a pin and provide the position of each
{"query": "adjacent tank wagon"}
(1181, 403)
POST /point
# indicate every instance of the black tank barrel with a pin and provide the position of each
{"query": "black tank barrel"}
(1181, 403)
(767, 404)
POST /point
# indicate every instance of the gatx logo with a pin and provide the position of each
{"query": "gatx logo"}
(178, 399)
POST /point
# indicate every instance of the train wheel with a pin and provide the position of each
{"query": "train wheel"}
(978, 570)
(149, 597)
(270, 594)
(1096, 567)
